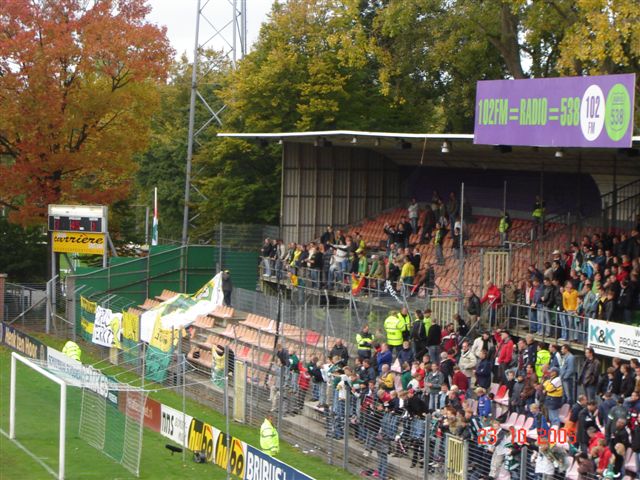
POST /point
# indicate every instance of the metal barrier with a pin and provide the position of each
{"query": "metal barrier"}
(496, 266)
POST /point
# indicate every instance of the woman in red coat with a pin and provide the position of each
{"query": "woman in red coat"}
(493, 297)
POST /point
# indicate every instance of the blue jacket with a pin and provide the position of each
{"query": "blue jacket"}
(384, 357)
(405, 356)
(484, 406)
(568, 368)
(483, 373)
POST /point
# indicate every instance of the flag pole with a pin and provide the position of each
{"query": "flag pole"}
(154, 233)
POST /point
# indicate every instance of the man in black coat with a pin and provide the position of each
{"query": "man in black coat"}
(619, 434)
(340, 350)
(434, 337)
(586, 420)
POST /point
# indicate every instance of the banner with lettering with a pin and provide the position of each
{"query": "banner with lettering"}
(22, 343)
(107, 328)
(593, 112)
(261, 466)
(87, 317)
(614, 339)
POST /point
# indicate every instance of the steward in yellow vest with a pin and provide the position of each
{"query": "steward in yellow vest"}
(364, 341)
(72, 350)
(269, 438)
(393, 327)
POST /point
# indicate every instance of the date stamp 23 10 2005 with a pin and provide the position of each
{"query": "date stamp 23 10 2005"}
(489, 436)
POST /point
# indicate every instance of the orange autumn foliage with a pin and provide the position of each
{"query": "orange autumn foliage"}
(77, 88)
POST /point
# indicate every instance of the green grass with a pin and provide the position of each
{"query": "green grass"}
(38, 431)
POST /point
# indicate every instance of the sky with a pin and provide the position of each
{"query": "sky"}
(179, 17)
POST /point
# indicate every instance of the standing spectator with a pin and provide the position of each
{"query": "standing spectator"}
(504, 227)
(531, 289)
(419, 333)
(473, 306)
(590, 374)
(384, 357)
(446, 366)
(528, 394)
(304, 381)
(548, 303)
(455, 243)
(568, 374)
(538, 213)
(438, 240)
(394, 328)
(364, 342)
(328, 237)
(484, 403)
(434, 337)
(586, 421)
(483, 371)
(414, 213)
(407, 274)
(428, 224)
(543, 356)
(266, 252)
(314, 263)
(468, 361)
(433, 382)
(544, 462)
(227, 288)
(570, 306)
(453, 209)
(553, 395)
(504, 354)
(340, 350)
(493, 298)
(626, 300)
(484, 342)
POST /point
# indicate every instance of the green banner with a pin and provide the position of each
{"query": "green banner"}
(156, 364)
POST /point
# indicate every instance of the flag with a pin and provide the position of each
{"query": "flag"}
(211, 291)
(357, 282)
(154, 230)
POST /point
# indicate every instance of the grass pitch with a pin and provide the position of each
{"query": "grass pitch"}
(37, 405)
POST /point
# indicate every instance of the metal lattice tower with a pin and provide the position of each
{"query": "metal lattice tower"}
(231, 32)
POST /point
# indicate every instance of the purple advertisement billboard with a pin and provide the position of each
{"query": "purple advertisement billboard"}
(556, 112)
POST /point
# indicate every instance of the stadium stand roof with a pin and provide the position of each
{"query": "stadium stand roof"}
(426, 149)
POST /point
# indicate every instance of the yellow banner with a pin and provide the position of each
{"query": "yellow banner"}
(130, 323)
(88, 305)
(78, 242)
(86, 326)
(161, 339)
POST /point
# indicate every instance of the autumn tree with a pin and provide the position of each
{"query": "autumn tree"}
(77, 86)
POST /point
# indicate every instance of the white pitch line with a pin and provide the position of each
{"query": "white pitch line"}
(34, 457)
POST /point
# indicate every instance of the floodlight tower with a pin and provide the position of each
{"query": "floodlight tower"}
(218, 31)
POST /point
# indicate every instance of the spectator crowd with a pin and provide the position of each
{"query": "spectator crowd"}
(419, 374)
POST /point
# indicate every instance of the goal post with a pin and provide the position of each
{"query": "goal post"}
(15, 357)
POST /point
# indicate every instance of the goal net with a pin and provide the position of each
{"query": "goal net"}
(59, 406)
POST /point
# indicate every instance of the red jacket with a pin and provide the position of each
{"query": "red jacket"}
(493, 296)
(505, 352)
(304, 378)
(461, 381)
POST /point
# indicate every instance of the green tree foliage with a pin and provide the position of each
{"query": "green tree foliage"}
(24, 253)
(401, 65)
